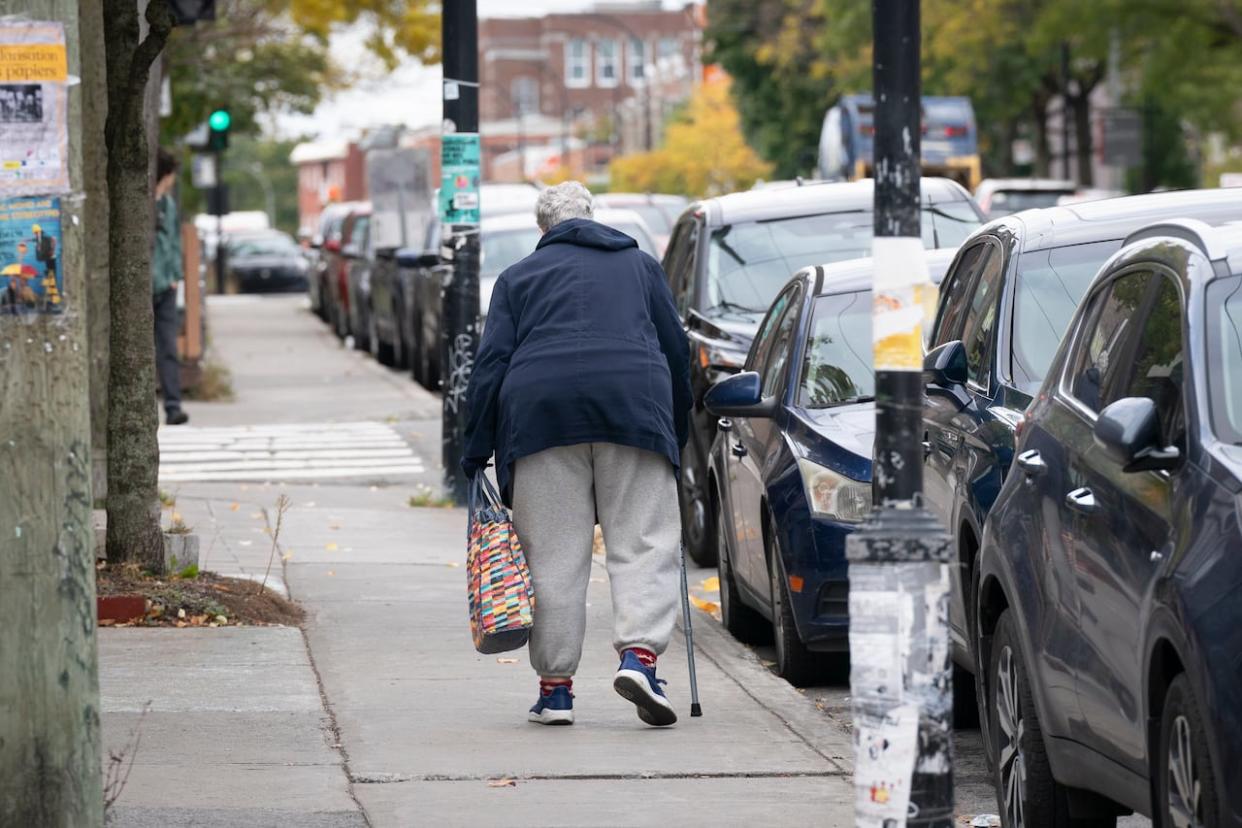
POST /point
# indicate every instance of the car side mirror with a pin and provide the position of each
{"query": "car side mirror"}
(740, 395)
(945, 365)
(1128, 431)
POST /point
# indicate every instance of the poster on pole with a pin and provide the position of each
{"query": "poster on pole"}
(459, 178)
(30, 245)
(34, 108)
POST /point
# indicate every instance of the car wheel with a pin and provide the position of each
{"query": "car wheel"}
(743, 622)
(1026, 792)
(381, 350)
(697, 515)
(1185, 782)
(794, 662)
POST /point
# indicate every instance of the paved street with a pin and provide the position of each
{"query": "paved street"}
(380, 712)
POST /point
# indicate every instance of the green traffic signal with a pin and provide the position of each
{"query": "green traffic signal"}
(220, 120)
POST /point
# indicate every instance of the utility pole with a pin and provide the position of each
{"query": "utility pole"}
(900, 678)
(459, 216)
(49, 683)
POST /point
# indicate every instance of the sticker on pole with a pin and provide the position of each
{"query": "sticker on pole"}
(30, 249)
(884, 749)
(459, 178)
(901, 289)
(34, 108)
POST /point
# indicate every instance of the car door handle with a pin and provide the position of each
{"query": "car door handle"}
(1081, 500)
(1032, 463)
(724, 424)
(739, 450)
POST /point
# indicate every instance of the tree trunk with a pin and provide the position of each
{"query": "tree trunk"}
(49, 686)
(95, 215)
(133, 451)
(1081, 105)
(1039, 129)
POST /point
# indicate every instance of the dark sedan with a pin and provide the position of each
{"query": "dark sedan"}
(266, 262)
(1003, 308)
(790, 473)
(1111, 563)
(730, 256)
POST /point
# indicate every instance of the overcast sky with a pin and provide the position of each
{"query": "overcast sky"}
(411, 94)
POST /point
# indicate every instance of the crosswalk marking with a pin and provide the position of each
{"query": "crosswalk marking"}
(284, 452)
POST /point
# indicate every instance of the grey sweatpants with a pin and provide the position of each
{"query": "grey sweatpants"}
(557, 494)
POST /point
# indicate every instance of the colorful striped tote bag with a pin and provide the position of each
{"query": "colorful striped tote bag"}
(502, 599)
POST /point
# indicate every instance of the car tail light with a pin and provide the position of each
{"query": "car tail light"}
(868, 129)
(955, 132)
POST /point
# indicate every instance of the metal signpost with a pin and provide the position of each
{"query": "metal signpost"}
(899, 582)
(459, 216)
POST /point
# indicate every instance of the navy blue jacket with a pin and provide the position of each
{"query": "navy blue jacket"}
(583, 344)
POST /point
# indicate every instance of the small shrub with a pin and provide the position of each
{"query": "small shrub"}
(428, 498)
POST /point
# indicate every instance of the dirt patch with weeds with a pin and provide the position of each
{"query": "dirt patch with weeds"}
(197, 599)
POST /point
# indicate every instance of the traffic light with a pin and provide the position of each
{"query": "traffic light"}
(218, 130)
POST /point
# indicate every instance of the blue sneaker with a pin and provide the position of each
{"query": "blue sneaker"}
(638, 683)
(555, 708)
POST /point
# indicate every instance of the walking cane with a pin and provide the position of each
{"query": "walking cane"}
(695, 709)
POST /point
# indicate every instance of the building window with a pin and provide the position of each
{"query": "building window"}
(606, 69)
(636, 62)
(669, 48)
(524, 93)
(578, 63)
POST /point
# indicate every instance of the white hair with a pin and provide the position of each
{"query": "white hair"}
(562, 202)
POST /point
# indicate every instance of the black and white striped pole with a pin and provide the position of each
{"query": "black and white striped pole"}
(900, 676)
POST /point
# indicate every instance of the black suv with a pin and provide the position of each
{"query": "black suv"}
(1004, 305)
(1108, 618)
(726, 261)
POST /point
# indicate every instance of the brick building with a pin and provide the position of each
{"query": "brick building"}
(327, 171)
(604, 79)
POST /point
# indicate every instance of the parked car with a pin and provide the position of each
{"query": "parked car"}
(266, 261)
(1107, 597)
(400, 279)
(658, 210)
(358, 217)
(359, 256)
(1004, 196)
(326, 242)
(632, 224)
(1003, 307)
(790, 470)
(729, 257)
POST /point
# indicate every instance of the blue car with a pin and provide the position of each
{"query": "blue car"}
(790, 470)
(1110, 630)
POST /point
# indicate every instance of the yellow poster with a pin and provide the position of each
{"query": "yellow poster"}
(34, 105)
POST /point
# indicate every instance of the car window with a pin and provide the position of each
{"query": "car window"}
(679, 263)
(1158, 371)
(782, 343)
(1099, 375)
(501, 249)
(951, 223)
(838, 363)
(652, 215)
(980, 326)
(1224, 357)
(954, 292)
(763, 340)
(1049, 286)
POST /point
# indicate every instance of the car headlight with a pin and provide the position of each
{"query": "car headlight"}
(834, 496)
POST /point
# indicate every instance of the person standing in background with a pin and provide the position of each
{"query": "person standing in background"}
(166, 272)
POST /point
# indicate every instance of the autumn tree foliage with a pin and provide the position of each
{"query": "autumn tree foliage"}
(704, 152)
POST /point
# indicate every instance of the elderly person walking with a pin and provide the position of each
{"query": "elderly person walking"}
(581, 388)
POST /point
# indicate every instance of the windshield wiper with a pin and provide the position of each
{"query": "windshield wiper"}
(847, 401)
(725, 304)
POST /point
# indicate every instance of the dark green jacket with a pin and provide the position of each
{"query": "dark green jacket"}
(166, 260)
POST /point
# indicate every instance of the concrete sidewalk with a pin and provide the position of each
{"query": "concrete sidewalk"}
(244, 723)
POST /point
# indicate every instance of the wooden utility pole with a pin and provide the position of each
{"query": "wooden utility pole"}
(95, 215)
(49, 686)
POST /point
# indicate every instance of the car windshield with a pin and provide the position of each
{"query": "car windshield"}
(1014, 201)
(748, 263)
(1050, 283)
(838, 362)
(1224, 358)
(639, 234)
(505, 247)
(654, 217)
(265, 246)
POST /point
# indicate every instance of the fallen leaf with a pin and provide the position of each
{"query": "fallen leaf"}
(334, 526)
(707, 606)
(502, 783)
(244, 543)
(309, 505)
(711, 584)
(330, 572)
(181, 613)
(220, 619)
(286, 556)
(182, 624)
(176, 517)
(234, 507)
(506, 661)
(454, 564)
(331, 547)
(257, 515)
(107, 622)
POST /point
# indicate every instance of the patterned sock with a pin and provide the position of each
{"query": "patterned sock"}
(547, 684)
(647, 657)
